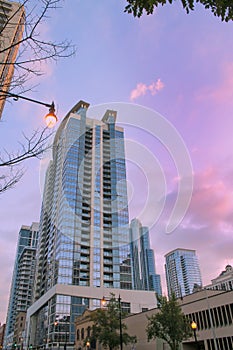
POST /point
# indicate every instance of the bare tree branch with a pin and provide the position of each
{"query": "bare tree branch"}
(32, 147)
(34, 47)
(35, 146)
(10, 180)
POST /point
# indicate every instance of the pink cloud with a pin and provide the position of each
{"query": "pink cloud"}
(141, 89)
(212, 200)
(224, 91)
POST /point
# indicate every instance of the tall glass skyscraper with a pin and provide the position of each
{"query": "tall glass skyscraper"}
(144, 275)
(22, 279)
(182, 272)
(84, 242)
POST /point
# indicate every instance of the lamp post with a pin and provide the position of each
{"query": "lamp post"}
(103, 301)
(65, 345)
(194, 328)
(21, 343)
(88, 345)
(54, 331)
(120, 322)
(66, 320)
(50, 118)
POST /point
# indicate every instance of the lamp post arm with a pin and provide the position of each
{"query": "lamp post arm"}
(27, 99)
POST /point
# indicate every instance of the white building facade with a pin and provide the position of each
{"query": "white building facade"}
(224, 281)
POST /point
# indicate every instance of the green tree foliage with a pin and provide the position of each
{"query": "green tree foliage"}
(220, 8)
(106, 326)
(169, 324)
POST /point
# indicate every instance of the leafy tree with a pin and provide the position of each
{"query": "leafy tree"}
(220, 8)
(169, 323)
(106, 326)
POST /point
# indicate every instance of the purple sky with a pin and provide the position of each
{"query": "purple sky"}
(176, 64)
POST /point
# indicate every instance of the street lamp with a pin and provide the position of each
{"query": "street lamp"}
(55, 332)
(88, 345)
(50, 118)
(194, 328)
(120, 321)
(103, 301)
(21, 342)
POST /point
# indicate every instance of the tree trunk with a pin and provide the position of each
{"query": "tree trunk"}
(174, 346)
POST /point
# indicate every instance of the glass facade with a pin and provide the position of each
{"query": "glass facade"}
(55, 321)
(182, 272)
(23, 276)
(84, 237)
(143, 261)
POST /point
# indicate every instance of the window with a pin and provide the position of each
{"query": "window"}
(228, 311)
(82, 333)
(78, 334)
(230, 285)
(144, 309)
(88, 332)
(220, 315)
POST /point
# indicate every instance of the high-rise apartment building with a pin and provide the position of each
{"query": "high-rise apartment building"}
(182, 272)
(11, 31)
(144, 275)
(23, 278)
(84, 242)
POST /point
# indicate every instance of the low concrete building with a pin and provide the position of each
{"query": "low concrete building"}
(133, 300)
(213, 312)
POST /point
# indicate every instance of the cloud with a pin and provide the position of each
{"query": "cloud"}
(212, 200)
(223, 92)
(141, 89)
(207, 226)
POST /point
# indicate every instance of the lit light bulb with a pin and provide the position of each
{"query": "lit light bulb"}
(51, 118)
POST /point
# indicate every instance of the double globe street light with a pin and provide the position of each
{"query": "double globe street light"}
(50, 118)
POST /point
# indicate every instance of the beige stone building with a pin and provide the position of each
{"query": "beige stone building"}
(2, 332)
(11, 31)
(19, 329)
(211, 310)
(83, 326)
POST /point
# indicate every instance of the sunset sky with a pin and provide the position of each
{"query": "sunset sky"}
(178, 65)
